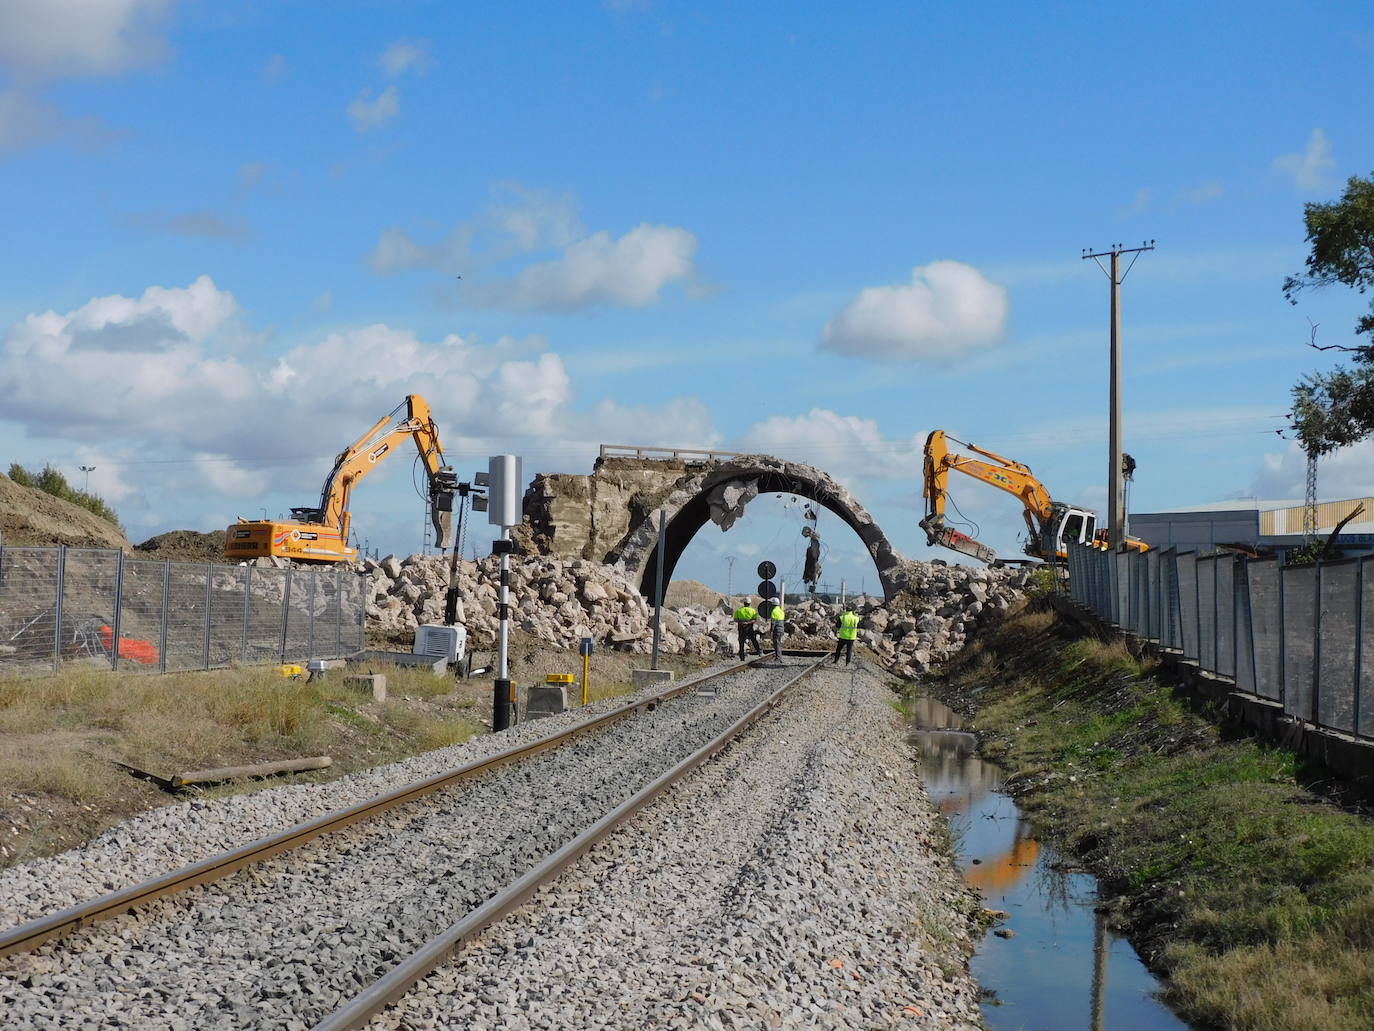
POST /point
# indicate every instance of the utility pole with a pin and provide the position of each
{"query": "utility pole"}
(730, 574)
(87, 469)
(1116, 498)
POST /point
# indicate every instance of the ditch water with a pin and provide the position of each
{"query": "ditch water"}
(1061, 969)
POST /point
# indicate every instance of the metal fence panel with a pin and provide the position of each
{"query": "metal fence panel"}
(186, 615)
(1245, 641)
(263, 641)
(1299, 596)
(1168, 573)
(1364, 723)
(1121, 582)
(1207, 612)
(299, 615)
(88, 602)
(141, 614)
(28, 606)
(227, 614)
(1077, 579)
(1153, 593)
(1266, 621)
(1187, 604)
(1337, 645)
(1226, 615)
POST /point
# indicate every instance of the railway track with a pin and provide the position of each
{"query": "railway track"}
(329, 935)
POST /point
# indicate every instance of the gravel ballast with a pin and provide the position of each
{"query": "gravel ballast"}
(796, 881)
(163, 839)
(281, 944)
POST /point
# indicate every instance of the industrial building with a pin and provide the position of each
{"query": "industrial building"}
(1253, 525)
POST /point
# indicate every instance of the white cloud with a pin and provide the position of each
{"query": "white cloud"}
(1139, 204)
(947, 309)
(406, 55)
(629, 271)
(1345, 473)
(850, 447)
(1202, 193)
(324, 301)
(1308, 169)
(367, 112)
(56, 38)
(203, 223)
(276, 69)
(27, 121)
(518, 220)
(151, 373)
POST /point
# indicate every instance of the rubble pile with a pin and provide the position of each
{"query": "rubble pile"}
(560, 601)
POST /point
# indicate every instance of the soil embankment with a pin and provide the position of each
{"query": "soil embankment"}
(31, 518)
(1234, 870)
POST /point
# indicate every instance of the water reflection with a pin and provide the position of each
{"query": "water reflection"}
(1061, 969)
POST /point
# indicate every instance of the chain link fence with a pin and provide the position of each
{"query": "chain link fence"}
(1300, 636)
(73, 604)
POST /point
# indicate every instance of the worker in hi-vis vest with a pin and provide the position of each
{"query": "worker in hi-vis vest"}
(776, 618)
(745, 629)
(849, 630)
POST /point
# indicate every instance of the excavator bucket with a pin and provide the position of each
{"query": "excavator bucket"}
(947, 537)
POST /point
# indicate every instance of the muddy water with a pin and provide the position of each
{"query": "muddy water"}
(1061, 969)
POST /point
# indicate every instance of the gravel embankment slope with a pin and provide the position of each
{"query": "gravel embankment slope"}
(797, 881)
(283, 943)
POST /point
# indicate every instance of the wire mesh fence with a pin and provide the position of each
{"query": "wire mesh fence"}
(60, 605)
(1301, 636)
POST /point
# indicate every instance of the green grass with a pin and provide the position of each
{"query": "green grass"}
(1255, 895)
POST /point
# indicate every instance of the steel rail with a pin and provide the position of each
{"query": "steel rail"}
(28, 936)
(398, 981)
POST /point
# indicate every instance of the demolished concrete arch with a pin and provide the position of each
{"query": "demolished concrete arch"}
(688, 507)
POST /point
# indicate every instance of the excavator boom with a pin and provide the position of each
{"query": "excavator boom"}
(1051, 524)
(321, 534)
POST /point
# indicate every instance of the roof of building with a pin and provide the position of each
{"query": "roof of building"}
(1228, 505)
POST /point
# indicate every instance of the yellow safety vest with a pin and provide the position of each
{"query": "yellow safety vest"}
(746, 614)
(777, 615)
(849, 626)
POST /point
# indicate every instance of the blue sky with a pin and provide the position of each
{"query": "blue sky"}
(234, 236)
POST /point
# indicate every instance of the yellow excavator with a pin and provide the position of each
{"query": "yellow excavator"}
(1052, 524)
(321, 534)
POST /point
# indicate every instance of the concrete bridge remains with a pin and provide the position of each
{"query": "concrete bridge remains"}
(611, 516)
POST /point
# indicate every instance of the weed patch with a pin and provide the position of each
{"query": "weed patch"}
(1254, 895)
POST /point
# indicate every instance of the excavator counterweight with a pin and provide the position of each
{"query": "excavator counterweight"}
(320, 533)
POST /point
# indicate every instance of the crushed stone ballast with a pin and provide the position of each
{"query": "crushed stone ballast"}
(298, 934)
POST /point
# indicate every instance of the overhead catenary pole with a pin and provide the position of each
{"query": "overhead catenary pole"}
(1116, 497)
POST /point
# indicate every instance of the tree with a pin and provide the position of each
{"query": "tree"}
(1336, 408)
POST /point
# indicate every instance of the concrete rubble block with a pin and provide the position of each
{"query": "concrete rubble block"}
(642, 678)
(391, 566)
(368, 683)
(545, 700)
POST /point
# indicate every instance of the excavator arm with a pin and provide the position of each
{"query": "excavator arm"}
(321, 534)
(1003, 473)
(362, 456)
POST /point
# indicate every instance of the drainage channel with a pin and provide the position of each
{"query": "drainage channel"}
(1060, 968)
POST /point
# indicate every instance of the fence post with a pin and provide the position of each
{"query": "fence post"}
(57, 608)
(1316, 644)
(338, 611)
(314, 581)
(119, 604)
(1359, 642)
(209, 587)
(1283, 651)
(166, 601)
(1216, 612)
(247, 611)
(285, 611)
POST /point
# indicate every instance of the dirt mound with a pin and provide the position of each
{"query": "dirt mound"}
(682, 593)
(185, 546)
(31, 518)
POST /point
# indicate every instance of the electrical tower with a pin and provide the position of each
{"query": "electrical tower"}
(1116, 499)
(1309, 505)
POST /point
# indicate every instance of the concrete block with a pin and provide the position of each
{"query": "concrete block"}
(649, 677)
(373, 683)
(545, 700)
